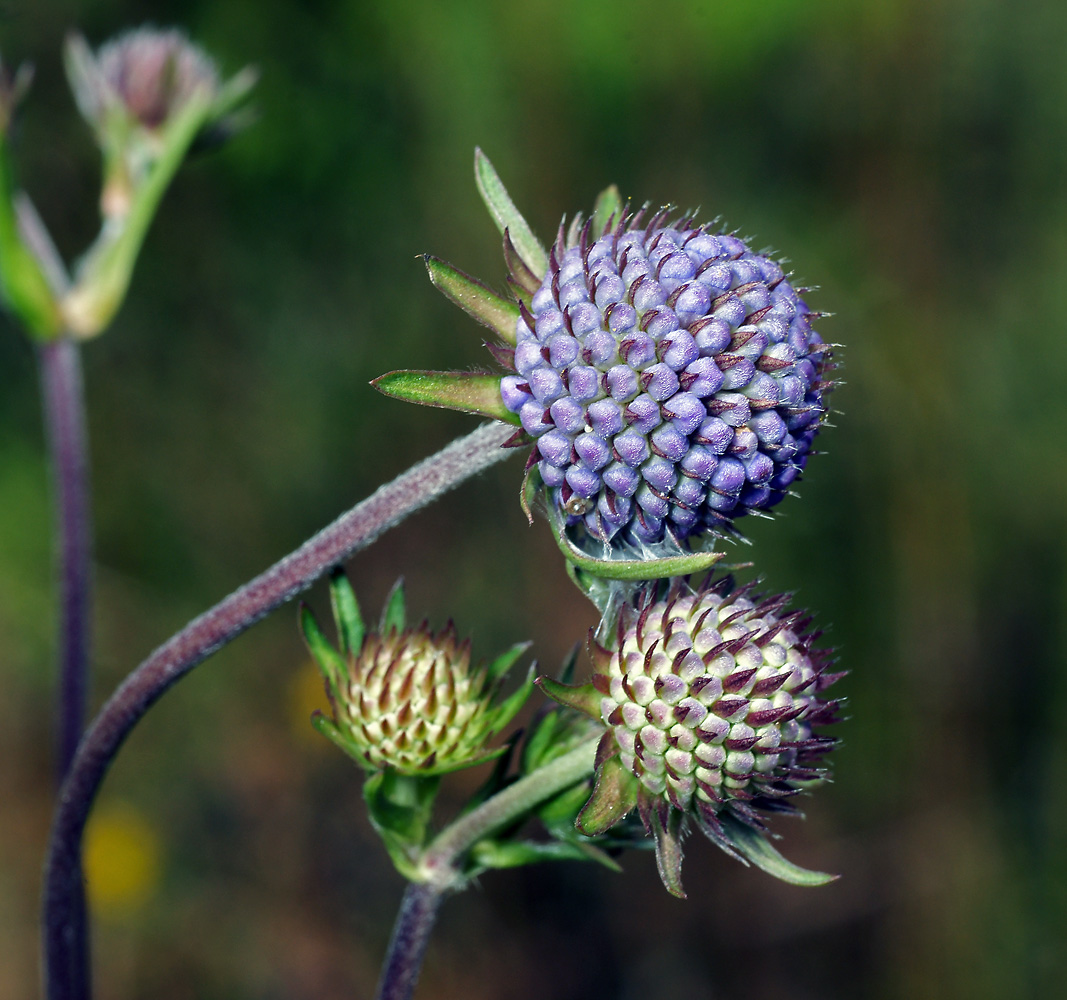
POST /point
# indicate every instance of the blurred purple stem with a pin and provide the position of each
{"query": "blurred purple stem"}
(411, 933)
(64, 412)
(66, 966)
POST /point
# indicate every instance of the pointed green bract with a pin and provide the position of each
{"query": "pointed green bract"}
(613, 797)
(608, 211)
(471, 392)
(474, 298)
(24, 286)
(636, 569)
(521, 275)
(394, 613)
(506, 660)
(350, 627)
(585, 698)
(755, 847)
(669, 851)
(510, 706)
(507, 216)
(329, 729)
(514, 854)
(330, 662)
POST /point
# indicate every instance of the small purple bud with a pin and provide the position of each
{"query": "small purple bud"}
(555, 447)
(594, 450)
(686, 410)
(643, 414)
(621, 478)
(546, 384)
(513, 396)
(632, 448)
(568, 414)
(605, 417)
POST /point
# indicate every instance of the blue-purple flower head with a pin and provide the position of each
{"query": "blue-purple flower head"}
(670, 378)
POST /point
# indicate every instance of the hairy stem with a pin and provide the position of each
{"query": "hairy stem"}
(440, 864)
(64, 928)
(505, 807)
(411, 933)
(64, 411)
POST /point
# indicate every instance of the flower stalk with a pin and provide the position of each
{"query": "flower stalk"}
(441, 871)
(64, 921)
(63, 401)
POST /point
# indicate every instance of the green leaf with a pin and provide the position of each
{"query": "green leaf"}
(509, 707)
(507, 216)
(584, 698)
(400, 807)
(328, 728)
(683, 564)
(24, 286)
(755, 847)
(608, 211)
(522, 277)
(331, 663)
(505, 661)
(104, 275)
(474, 298)
(614, 795)
(471, 392)
(394, 612)
(350, 628)
(515, 854)
(560, 814)
(669, 851)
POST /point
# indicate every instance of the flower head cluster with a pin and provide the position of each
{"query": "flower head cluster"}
(712, 701)
(670, 377)
(407, 698)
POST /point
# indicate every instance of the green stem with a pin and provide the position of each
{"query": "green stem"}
(439, 869)
(439, 860)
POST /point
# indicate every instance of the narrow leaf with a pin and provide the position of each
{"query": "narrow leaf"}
(350, 627)
(669, 851)
(328, 728)
(520, 273)
(757, 849)
(508, 708)
(585, 698)
(683, 564)
(608, 211)
(471, 392)
(474, 298)
(394, 613)
(506, 660)
(330, 662)
(497, 854)
(613, 797)
(507, 216)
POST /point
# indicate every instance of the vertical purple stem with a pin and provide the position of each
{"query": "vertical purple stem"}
(411, 934)
(63, 400)
(64, 412)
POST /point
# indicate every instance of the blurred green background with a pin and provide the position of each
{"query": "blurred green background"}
(909, 156)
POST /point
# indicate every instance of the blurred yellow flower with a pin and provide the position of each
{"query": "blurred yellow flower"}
(307, 695)
(122, 859)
